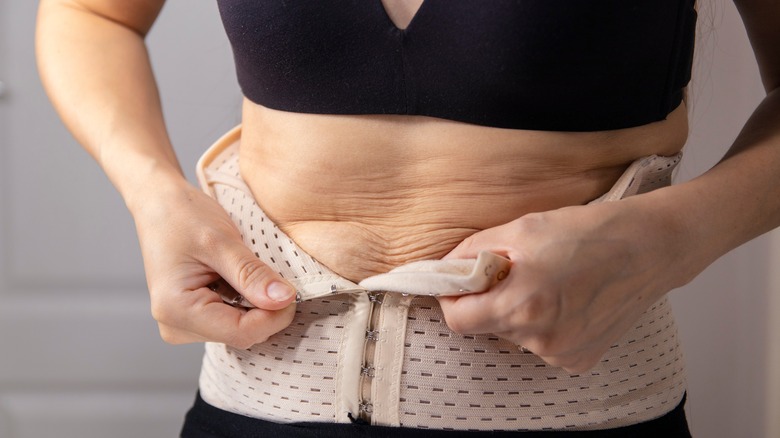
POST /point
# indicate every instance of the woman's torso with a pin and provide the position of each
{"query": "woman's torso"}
(366, 193)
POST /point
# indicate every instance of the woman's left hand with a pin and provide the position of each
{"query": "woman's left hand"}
(580, 277)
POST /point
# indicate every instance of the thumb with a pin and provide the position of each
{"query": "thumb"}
(252, 278)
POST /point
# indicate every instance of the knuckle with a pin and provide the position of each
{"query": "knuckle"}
(250, 271)
(163, 306)
(580, 365)
(288, 316)
(169, 335)
(242, 341)
(556, 361)
(544, 345)
(544, 348)
(468, 242)
(538, 310)
(244, 344)
(527, 223)
(207, 239)
(456, 324)
(160, 312)
(281, 319)
(453, 316)
(575, 369)
(157, 312)
(260, 330)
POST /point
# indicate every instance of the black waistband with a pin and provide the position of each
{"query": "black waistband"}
(206, 421)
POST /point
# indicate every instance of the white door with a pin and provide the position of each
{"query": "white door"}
(79, 352)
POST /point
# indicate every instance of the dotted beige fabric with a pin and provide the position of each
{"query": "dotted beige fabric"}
(291, 377)
(484, 382)
(443, 380)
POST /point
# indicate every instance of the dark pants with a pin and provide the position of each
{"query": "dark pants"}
(206, 421)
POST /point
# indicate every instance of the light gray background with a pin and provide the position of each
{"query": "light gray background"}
(79, 352)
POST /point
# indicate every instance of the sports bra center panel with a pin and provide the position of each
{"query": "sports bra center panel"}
(523, 64)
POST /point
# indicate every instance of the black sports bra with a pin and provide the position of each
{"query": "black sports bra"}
(565, 65)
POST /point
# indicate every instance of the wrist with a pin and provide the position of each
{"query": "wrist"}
(141, 179)
(688, 240)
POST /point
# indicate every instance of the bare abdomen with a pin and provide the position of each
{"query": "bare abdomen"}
(363, 194)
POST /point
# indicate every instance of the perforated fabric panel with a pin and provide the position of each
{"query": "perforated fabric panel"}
(290, 377)
(446, 380)
(643, 175)
(483, 382)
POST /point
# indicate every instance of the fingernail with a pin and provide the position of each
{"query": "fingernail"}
(279, 291)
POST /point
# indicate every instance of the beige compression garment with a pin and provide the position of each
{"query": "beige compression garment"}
(389, 358)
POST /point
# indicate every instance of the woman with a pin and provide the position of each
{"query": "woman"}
(380, 133)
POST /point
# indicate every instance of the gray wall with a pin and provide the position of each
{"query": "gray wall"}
(79, 353)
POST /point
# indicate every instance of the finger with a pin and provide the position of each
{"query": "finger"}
(573, 364)
(250, 277)
(499, 309)
(573, 359)
(175, 336)
(471, 313)
(228, 294)
(471, 246)
(204, 316)
(493, 240)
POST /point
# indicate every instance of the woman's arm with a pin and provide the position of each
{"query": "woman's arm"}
(95, 66)
(739, 198)
(583, 275)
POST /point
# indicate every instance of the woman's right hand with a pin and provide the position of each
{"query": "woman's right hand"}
(95, 66)
(188, 242)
